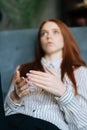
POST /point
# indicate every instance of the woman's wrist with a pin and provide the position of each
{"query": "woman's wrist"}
(63, 91)
(14, 97)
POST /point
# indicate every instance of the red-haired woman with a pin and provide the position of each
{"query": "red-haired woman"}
(51, 92)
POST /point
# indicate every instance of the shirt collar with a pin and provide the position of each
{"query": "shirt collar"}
(52, 64)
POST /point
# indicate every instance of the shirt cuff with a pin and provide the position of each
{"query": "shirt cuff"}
(66, 98)
(12, 105)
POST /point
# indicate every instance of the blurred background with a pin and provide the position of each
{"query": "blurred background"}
(22, 14)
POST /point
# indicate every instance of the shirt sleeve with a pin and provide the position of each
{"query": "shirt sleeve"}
(75, 107)
(9, 105)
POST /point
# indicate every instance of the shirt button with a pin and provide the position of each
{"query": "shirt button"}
(52, 65)
(33, 110)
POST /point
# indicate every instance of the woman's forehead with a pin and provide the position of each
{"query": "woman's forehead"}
(50, 25)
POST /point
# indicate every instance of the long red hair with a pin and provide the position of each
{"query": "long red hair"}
(71, 55)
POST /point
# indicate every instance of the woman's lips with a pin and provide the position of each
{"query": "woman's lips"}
(49, 42)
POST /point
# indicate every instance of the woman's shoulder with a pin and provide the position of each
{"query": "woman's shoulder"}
(81, 68)
(80, 71)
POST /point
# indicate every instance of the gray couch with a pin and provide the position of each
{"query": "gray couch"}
(17, 47)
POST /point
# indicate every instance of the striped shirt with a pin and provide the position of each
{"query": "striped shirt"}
(69, 112)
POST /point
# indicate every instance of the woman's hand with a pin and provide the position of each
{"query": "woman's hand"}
(47, 81)
(20, 87)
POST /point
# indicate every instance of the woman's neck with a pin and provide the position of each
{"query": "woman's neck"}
(52, 57)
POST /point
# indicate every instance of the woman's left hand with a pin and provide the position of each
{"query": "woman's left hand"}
(47, 81)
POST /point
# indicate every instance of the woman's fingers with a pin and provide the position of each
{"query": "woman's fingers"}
(38, 77)
(38, 80)
(20, 85)
(44, 74)
(40, 73)
(17, 75)
(21, 81)
(23, 90)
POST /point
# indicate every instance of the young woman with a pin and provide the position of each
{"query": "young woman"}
(51, 92)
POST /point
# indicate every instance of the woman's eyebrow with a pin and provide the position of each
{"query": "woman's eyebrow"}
(51, 29)
(43, 30)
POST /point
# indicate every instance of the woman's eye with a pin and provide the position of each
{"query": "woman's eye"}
(44, 34)
(55, 32)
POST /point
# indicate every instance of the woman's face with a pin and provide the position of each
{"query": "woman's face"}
(51, 38)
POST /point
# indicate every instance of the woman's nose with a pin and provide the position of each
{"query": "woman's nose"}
(49, 35)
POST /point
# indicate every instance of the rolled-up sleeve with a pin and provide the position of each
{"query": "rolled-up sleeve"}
(9, 105)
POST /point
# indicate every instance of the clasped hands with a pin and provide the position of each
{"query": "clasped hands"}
(49, 82)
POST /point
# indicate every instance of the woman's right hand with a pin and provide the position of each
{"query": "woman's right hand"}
(20, 88)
